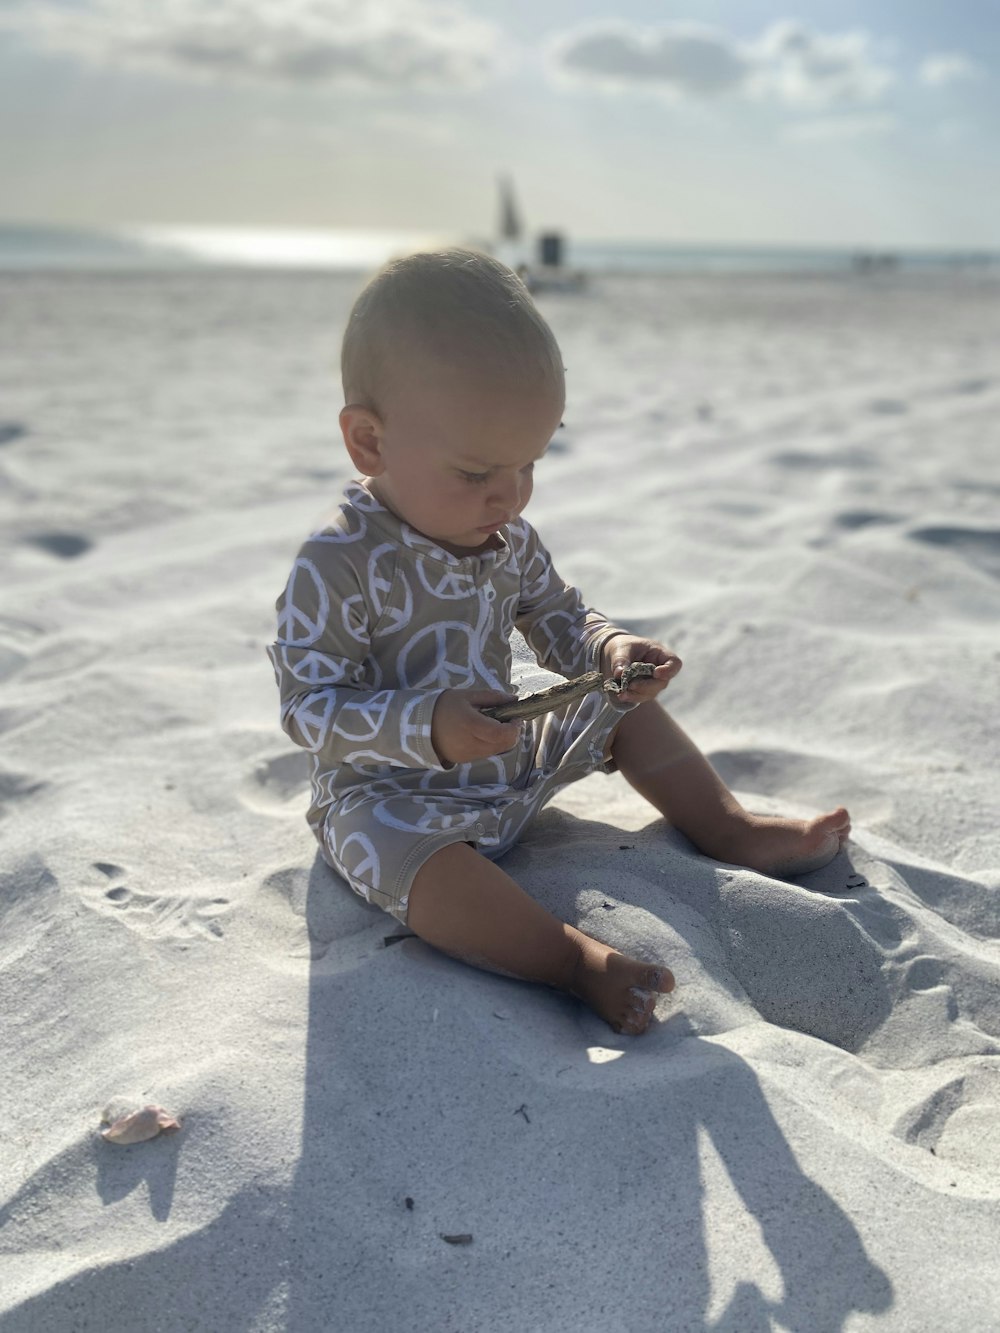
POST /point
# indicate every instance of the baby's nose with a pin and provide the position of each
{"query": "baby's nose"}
(506, 494)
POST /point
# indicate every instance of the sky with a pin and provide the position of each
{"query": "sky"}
(725, 121)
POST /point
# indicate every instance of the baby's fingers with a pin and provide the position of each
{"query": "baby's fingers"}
(494, 737)
(649, 688)
(503, 735)
(487, 698)
(668, 668)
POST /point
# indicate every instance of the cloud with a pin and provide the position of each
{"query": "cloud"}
(682, 58)
(788, 63)
(809, 69)
(939, 70)
(375, 44)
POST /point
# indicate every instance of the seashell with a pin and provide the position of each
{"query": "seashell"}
(137, 1126)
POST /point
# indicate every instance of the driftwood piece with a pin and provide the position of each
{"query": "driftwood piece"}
(544, 701)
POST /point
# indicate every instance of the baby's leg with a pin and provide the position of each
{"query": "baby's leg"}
(467, 907)
(666, 767)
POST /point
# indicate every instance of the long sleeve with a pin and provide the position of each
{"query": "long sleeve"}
(332, 702)
(565, 636)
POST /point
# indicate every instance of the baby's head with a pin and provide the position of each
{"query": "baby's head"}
(454, 387)
(456, 309)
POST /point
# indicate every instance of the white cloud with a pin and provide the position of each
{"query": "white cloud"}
(940, 70)
(827, 128)
(811, 69)
(788, 63)
(682, 58)
(381, 44)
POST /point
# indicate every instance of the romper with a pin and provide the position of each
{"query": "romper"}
(375, 622)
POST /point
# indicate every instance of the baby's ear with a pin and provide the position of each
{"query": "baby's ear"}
(362, 431)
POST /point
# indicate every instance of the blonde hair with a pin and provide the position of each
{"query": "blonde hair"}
(456, 306)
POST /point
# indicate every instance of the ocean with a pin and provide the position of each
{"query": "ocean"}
(26, 247)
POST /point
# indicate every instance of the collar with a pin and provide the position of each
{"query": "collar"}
(495, 551)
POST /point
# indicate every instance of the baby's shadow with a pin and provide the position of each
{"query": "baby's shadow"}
(826, 1274)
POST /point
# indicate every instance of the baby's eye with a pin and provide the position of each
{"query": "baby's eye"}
(477, 478)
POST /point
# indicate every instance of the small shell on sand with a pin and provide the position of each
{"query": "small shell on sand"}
(137, 1126)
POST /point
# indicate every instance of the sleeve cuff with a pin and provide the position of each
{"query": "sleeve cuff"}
(415, 731)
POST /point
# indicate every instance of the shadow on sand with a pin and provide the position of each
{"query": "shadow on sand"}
(581, 1184)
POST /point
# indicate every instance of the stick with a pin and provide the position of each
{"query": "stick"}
(544, 701)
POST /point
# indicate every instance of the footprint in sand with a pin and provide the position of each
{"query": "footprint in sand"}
(11, 431)
(277, 784)
(971, 386)
(65, 545)
(959, 1122)
(979, 546)
(854, 519)
(17, 787)
(178, 919)
(820, 459)
(925, 973)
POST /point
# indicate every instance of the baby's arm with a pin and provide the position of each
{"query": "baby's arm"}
(565, 636)
(572, 639)
(331, 700)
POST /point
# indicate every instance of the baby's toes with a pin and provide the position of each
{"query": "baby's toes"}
(638, 1011)
(659, 979)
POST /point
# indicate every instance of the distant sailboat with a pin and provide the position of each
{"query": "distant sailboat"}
(510, 220)
(548, 274)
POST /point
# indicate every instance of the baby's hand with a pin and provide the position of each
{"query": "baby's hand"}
(623, 649)
(460, 732)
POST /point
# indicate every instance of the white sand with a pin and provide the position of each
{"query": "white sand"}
(795, 483)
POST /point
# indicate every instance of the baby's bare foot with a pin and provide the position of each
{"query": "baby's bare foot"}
(622, 990)
(784, 847)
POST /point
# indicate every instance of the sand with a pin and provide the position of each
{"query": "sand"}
(792, 482)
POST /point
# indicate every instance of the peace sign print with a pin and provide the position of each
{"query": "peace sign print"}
(349, 526)
(447, 584)
(508, 614)
(517, 535)
(422, 814)
(535, 579)
(352, 615)
(439, 657)
(359, 861)
(475, 778)
(362, 498)
(549, 633)
(312, 717)
(382, 574)
(305, 588)
(362, 719)
(314, 668)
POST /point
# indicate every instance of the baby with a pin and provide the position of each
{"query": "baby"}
(394, 635)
